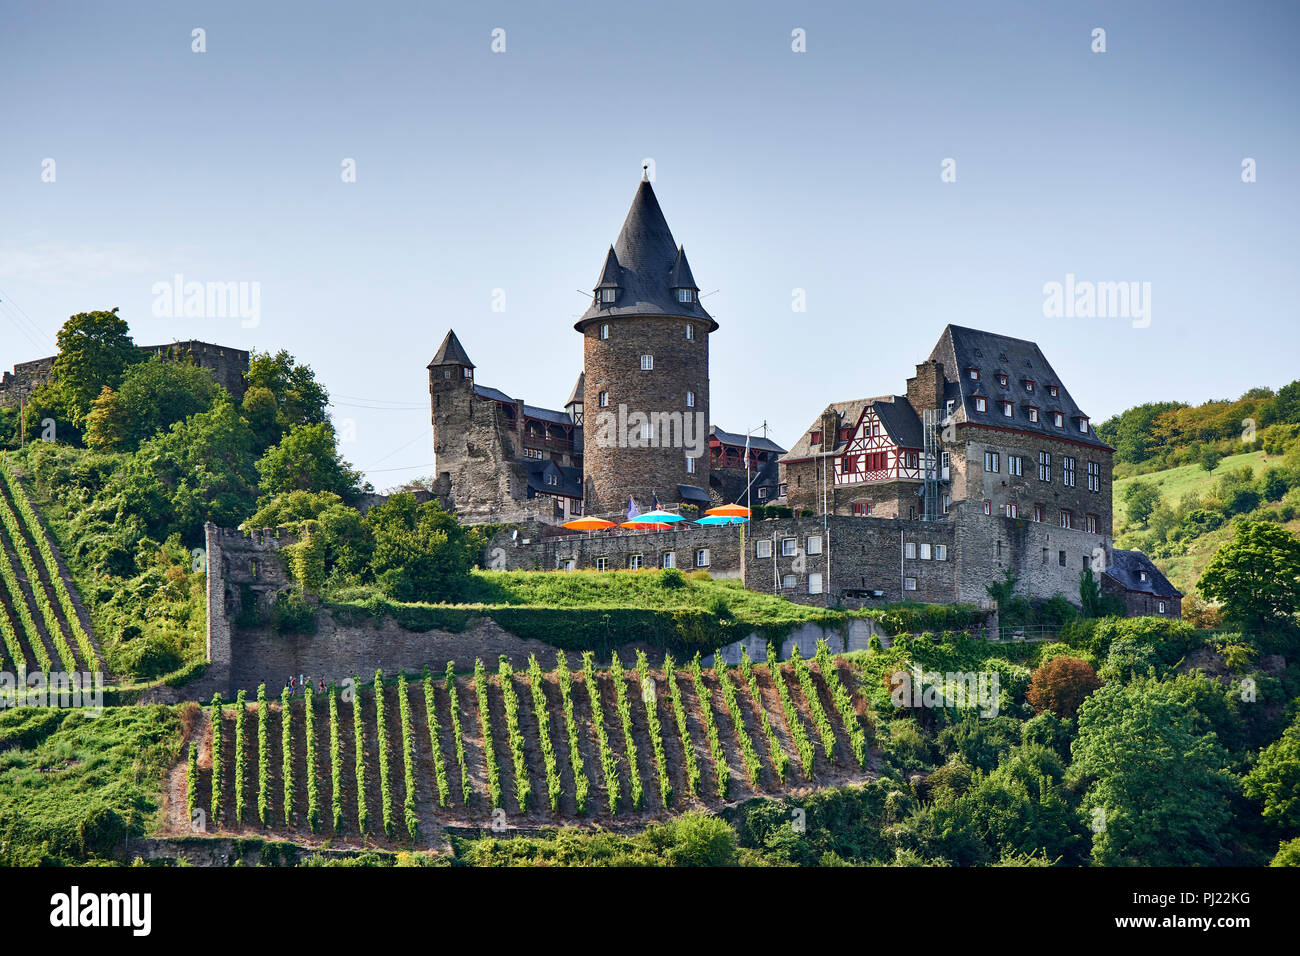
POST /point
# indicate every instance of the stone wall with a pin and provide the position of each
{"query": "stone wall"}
(1142, 603)
(528, 551)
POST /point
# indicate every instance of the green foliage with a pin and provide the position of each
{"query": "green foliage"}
(609, 767)
(336, 762)
(1256, 577)
(542, 714)
(95, 350)
(514, 736)
(650, 697)
(485, 726)
(422, 553)
(581, 785)
(218, 765)
(721, 771)
(1140, 501)
(843, 703)
(286, 752)
(153, 395)
(692, 769)
(307, 459)
(382, 745)
(776, 753)
(1288, 853)
(192, 781)
(280, 394)
(449, 679)
(1209, 458)
(1274, 781)
(313, 786)
(291, 614)
(619, 679)
(410, 817)
(435, 740)
(728, 690)
(359, 748)
(263, 757)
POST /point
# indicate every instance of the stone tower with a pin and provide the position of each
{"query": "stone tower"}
(646, 370)
(451, 401)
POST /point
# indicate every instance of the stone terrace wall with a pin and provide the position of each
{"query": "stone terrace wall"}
(509, 552)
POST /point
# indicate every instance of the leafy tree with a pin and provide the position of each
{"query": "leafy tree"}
(1161, 788)
(1275, 779)
(1002, 591)
(295, 397)
(348, 542)
(1288, 853)
(95, 349)
(1274, 484)
(1093, 602)
(306, 459)
(421, 552)
(1210, 458)
(1140, 499)
(153, 395)
(1061, 685)
(1256, 577)
(1130, 432)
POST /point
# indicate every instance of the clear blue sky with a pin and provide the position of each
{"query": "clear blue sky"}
(821, 171)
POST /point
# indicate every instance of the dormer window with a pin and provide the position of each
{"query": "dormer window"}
(1142, 576)
(981, 405)
(1053, 390)
(973, 374)
(1083, 425)
(815, 438)
(1002, 379)
(1029, 385)
(685, 295)
(1058, 419)
(1006, 409)
(608, 295)
(604, 331)
(1033, 414)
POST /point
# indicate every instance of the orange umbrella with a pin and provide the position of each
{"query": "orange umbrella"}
(729, 511)
(588, 524)
(644, 526)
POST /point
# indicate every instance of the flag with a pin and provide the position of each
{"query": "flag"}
(655, 496)
(632, 510)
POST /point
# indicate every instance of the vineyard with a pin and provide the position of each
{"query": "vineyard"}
(394, 761)
(40, 628)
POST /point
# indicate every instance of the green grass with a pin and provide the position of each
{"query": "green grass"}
(1173, 483)
(76, 788)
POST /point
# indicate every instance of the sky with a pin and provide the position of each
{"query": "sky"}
(915, 164)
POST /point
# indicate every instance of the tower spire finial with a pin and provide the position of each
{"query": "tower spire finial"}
(645, 175)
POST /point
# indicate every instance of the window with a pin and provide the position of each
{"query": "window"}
(814, 584)
(780, 490)
(909, 550)
(1060, 558)
(1094, 476)
(608, 295)
(909, 584)
(1006, 409)
(789, 582)
(941, 552)
(690, 331)
(862, 508)
(947, 503)
(1038, 512)
(974, 374)
(850, 464)
(1015, 465)
(1058, 419)
(981, 404)
(685, 295)
(762, 493)
(815, 544)
(690, 399)
(927, 551)
(912, 459)
(1053, 391)
(1029, 385)
(668, 560)
(634, 562)
(467, 373)
(604, 331)
(1142, 576)
(602, 564)
(552, 479)
(815, 438)
(947, 408)
(647, 363)
(1083, 425)
(446, 373)
(944, 461)
(1067, 518)
(690, 466)
(568, 565)
(1160, 607)
(1067, 471)
(535, 453)
(988, 507)
(702, 557)
(603, 401)
(991, 462)
(1033, 413)
(1090, 523)
(1002, 379)
(763, 548)
(1044, 466)
(789, 546)
(1013, 510)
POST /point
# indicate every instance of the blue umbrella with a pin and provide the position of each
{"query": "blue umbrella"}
(657, 517)
(722, 519)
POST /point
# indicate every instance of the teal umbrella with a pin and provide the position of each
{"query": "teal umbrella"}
(722, 519)
(657, 517)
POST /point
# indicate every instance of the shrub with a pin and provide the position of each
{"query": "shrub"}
(291, 614)
(1061, 685)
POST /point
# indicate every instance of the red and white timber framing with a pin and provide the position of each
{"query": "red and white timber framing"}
(871, 455)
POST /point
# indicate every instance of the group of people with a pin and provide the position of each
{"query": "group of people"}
(301, 683)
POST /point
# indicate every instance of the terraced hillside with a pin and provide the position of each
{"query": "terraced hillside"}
(42, 624)
(393, 764)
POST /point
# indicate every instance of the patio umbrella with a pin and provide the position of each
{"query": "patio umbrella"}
(729, 511)
(588, 524)
(722, 519)
(657, 517)
(645, 526)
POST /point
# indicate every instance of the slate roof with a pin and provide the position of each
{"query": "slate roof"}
(730, 482)
(483, 391)
(755, 441)
(960, 349)
(451, 352)
(902, 425)
(568, 480)
(1124, 566)
(644, 262)
(530, 411)
(575, 397)
(694, 495)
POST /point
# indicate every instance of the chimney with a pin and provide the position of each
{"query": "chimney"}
(925, 390)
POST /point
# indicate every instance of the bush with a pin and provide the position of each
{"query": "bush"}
(1061, 685)
(698, 839)
(291, 614)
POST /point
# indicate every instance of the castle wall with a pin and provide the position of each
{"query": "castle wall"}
(509, 552)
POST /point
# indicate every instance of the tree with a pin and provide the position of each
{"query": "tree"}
(1093, 602)
(421, 552)
(1130, 432)
(95, 349)
(1256, 577)
(1140, 499)
(1061, 685)
(1158, 791)
(281, 394)
(1275, 779)
(306, 460)
(1210, 458)
(152, 396)
(1274, 484)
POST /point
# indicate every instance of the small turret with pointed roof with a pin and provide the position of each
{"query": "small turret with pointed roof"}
(451, 352)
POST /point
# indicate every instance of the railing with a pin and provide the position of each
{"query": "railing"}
(1010, 633)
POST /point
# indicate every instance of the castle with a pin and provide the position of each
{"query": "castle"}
(986, 465)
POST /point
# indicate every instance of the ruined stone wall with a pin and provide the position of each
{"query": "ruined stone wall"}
(527, 551)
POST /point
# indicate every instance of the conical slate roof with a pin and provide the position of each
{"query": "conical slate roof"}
(576, 397)
(646, 262)
(451, 352)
